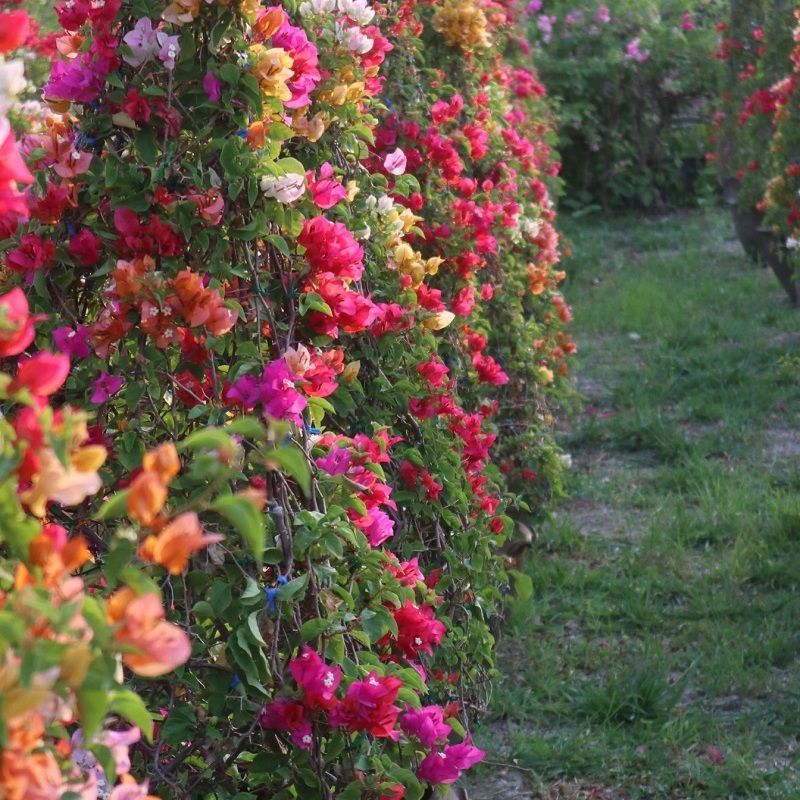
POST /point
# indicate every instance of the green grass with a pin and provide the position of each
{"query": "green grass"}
(660, 655)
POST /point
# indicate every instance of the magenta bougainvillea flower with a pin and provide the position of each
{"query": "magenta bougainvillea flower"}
(105, 386)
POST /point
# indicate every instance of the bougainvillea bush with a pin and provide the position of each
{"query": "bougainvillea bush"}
(281, 336)
(635, 80)
(781, 201)
(755, 40)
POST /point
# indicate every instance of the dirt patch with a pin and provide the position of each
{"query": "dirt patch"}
(593, 518)
(509, 783)
(781, 444)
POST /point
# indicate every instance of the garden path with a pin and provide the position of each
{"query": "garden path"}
(660, 655)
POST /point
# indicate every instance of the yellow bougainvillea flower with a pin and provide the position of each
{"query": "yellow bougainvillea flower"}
(463, 24)
(272, 68)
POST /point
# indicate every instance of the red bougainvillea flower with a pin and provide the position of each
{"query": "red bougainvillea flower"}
(16, 323)
(330, 247)
(14, 29)
(317, 679)
(417, 630)
(42, 374)
(407, 572)
(287, 715)
(369, 706)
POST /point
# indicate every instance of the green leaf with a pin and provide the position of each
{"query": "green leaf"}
(128, 704)
(207, 438)
(294, 589)
(92, 705)
(147, 146)
(523, 585)
(313, 628)
(247, 520)
(249, 427)
(116, 506)
(293, 461)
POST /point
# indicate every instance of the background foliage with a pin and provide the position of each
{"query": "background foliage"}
(635, 82)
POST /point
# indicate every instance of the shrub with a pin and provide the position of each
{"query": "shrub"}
(634, 81)
(755, 41)
(291, 271)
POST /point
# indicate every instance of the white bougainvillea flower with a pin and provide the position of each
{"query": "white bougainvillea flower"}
(286, 188)
(358, 10)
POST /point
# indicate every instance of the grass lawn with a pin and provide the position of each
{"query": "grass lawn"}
(660, 655)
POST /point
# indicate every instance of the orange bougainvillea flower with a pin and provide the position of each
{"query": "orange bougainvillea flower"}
(164, 461)
(146, 497)
(157, 646)
(30, 776)
(176, 542)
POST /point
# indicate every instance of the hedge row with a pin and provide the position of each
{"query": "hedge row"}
(281, 336)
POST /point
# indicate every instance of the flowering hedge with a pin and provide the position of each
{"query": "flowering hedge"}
(635, 81)
(754, 44)
(282, 332)
(781, 202)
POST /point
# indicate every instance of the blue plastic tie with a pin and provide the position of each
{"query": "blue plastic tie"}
(272, 595)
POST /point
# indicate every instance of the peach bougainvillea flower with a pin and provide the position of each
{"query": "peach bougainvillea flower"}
(68, 485)
(146, 497)
(176, 542)
(164, 461)
(157, 646)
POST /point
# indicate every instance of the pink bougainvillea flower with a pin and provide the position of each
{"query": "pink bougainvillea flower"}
(16, 323)
(427, 724)
(305, 75)
(42, 374)
(169, 49)
(142, 41)
(446, 766)
(73, 342)
(105, 386)
(79, 79)
(377, 525)
(326, 191)
(336, 462)
(316, 679)
(73, 163)
(603, 15)
(212, 86)
(395, 162)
